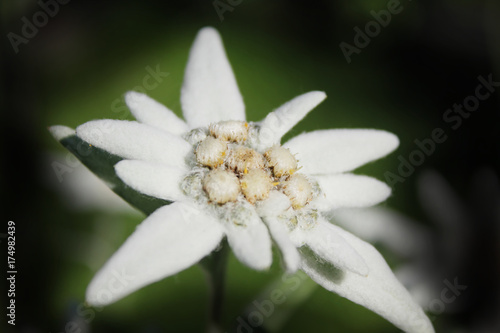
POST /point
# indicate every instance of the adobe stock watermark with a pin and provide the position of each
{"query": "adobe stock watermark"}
(437, 306)
(222, 6)
(30, 27)
(265, 307)
(372, 29)
(115, 285)
(448, 295)
(150, 81)
(256, 314)
(454, 117)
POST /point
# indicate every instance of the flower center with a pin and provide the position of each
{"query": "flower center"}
(229, 169)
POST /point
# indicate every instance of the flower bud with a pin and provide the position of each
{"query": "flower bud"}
(241, 159)
(211, 152)
(231, 130)
(299, 190)
(282, 162)
(221, 186)
(256, 185)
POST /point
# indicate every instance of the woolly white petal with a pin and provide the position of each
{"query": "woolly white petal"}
(380, 291)
(289, 252)
(280, 121)
(132, 140)
(348, 190)
(148, 111)
(210, 92)
(387, 227)
(157, 180)
(334, 151)
(325, 240)
(269, 209)
(60, 132)
(274, 205)
(248, 237)
(170, 240)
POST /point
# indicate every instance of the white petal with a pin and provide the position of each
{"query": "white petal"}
(380, 291)
(334, 151)
(269, 209)
(157, 180)
(280, 121)
(381, 225)
(148, 111)
(281, 236)
(274, 205)
(248, 237)
(135, 141)
(209, 92)
(60, 132)
(325, 240)
(348, 190)
(170, 240)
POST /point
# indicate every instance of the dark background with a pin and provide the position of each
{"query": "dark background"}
(85, 57)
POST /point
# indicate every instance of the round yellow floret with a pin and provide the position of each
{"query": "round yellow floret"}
(256, 185)
(281, 161)
(221, 186)
(299, 190)
(231, 130)
(211, 152)
(241, 159)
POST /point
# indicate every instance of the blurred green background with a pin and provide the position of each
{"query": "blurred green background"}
(78, 66)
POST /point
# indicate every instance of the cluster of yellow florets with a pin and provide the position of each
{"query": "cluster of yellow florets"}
(236, 168)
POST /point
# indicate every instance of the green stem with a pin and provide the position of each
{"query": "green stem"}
(215, 268)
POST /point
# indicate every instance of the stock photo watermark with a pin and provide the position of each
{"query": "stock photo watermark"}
(453, 117)
(87, 313)
(222, 6)
(259, 310)
(266, 306)
(362, 38)
(153, 78)
(448, 295)
(11, 272)
(30, 27)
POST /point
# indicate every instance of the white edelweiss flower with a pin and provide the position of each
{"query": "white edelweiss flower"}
(229, 187)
